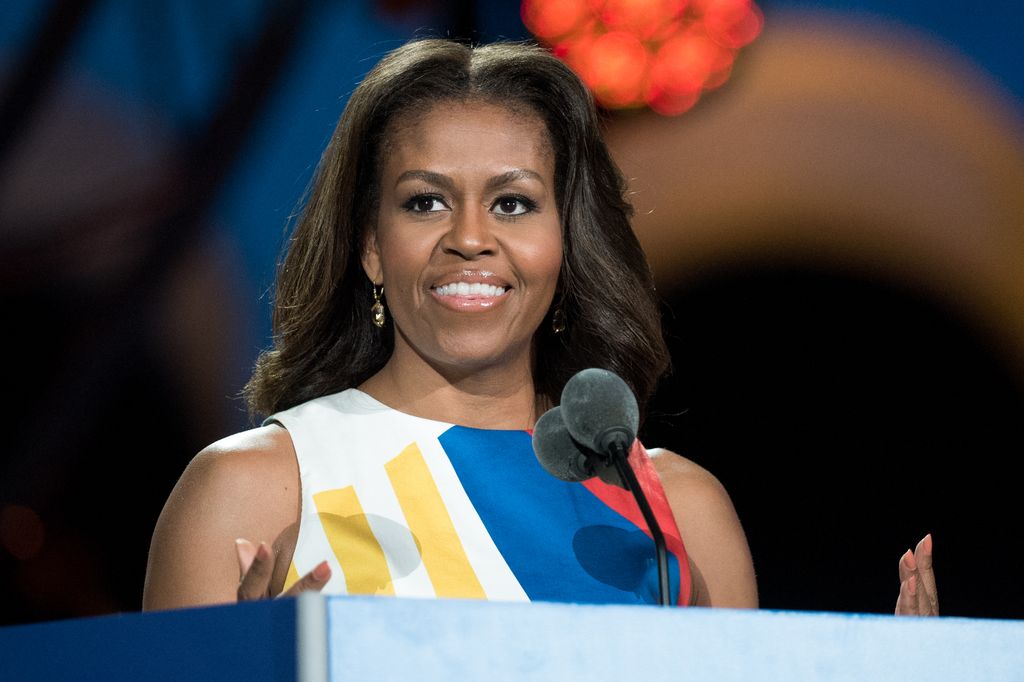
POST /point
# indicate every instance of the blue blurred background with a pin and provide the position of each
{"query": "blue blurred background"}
(837, 232)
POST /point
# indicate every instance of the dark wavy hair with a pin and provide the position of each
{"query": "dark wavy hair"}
(324, 340)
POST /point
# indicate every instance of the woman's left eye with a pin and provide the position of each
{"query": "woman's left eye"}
(512, 205)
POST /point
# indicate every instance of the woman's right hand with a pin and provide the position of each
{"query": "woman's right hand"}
(256, 565)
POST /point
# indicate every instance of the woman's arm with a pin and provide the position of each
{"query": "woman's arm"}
(245, 486)
(720, 563)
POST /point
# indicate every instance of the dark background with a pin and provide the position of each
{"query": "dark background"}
(847, 418)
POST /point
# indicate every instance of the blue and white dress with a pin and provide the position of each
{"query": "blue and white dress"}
(411, 507)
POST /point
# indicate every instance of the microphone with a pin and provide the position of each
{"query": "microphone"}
(557, 452)
(601, 415)
(600, 410)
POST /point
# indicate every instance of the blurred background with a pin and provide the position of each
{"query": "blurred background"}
(833, 206)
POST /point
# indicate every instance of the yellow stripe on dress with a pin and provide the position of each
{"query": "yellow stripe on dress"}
(357, 550)
(291, 577)
(440, 547)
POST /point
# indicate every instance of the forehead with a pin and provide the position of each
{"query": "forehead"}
(461, 134)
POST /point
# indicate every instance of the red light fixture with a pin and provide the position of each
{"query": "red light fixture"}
(659, 53)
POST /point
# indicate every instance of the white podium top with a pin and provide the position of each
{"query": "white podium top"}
(395, 639)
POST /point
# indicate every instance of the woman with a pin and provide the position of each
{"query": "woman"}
(465, 249)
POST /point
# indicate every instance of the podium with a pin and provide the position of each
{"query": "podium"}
(315, 638)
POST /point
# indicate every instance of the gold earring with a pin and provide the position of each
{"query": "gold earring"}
(378, 308)
(558, 320)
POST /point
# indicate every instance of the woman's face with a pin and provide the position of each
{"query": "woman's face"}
(468, 241)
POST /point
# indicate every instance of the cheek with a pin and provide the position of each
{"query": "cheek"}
(553, 251)
(401, 260)
(545, 261)
(554, 263)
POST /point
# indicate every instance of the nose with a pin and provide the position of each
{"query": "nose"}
(470, 236)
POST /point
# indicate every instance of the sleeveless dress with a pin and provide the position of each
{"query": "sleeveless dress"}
(411, 507)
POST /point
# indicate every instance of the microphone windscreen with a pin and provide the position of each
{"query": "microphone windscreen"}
(557, 452)
(595, 401)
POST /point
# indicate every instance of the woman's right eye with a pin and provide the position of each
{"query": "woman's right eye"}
(425, 203)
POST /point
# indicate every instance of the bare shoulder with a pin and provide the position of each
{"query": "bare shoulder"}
(243, 486)
(252, 473)
(723, 572)
(263, 455)
(677, 471)
(250, 478)
(699, 501)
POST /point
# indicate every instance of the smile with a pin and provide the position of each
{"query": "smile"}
(464, 289)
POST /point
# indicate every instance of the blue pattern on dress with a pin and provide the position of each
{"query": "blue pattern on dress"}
(561, 541)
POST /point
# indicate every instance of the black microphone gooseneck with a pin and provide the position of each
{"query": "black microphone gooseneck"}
(620, 459)
(601, 415)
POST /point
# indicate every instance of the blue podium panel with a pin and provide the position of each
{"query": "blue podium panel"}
(390, 639)
(252, 642)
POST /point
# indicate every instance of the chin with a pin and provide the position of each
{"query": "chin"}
(479, 357)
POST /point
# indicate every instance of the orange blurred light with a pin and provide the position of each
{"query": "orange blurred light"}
(643, 18)
(617, 65)
(718, 78)
(684, 63)
(698, 8)
(672, 103)
(575, 51)
(667, 30)
(733, 23)
(551, 19)
(662, 52)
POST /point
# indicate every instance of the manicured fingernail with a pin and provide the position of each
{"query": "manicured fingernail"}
(928, 543)
(263, 553)
(322, 572)
(908, 560)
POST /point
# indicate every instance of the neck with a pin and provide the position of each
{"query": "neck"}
(498, 397)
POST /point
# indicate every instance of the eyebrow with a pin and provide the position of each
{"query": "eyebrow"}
(493, 183)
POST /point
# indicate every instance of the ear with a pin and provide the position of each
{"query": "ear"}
(371, 258)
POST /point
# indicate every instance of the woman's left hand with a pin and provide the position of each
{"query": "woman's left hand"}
(918, 596)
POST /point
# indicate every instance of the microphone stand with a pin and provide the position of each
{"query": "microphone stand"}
(620, 458)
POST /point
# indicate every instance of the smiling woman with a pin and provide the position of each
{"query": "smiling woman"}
(465, 249)
(468, 245)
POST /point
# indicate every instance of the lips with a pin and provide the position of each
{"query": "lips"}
(469, 283)
(469, 290)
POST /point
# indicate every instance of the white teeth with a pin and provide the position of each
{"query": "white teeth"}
(467, 289)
